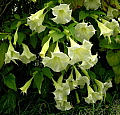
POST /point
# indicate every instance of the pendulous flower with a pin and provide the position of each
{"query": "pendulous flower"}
(27, 56)
(84, 31)
(92, 96)
(45, 48)
(62, 14)
(105, 31)
(78, 52)
(92, 4)
(114, 25)
(89, 63)
(58, 60)
(63, 105)
(11, 54)
(112, 13)
(26, 86)
(35, 21)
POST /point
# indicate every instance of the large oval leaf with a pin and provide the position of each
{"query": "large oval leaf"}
(113, 58)
(116, 69)
(9, 80)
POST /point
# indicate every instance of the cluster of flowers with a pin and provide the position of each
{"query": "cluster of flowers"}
(76, 53)
(26, 56)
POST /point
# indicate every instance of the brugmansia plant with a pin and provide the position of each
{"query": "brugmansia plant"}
(67, 47)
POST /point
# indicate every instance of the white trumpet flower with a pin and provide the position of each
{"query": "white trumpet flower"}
(62, 13)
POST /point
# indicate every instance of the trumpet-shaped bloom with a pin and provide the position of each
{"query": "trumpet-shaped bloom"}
(107, 85)
(89, 63)
(72, 83)
(92, 96)
(63, 105)
(11, 54)
(81, 80)
(45, 48)
(92, 4)
(112, 12)
(78, 52)
(105, 31)
(61, 93)
(27, 56)
(62, 13)
(35, 21)
(84, 31)
(114, 25)
(58, 60)
(26, 86)
(102, 87)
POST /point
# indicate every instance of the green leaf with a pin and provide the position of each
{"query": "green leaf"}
(109, 98)
(16, 16)
(13, 25)
(71, 28)
(102, 71)
(117, 79)
(45, 87)
(38, 79)
(116, 69)
(8, 102)
(33, 40)
(113, 45)
(46, 71)
(97, 12)
(8, 30)
(7, 70)
(56, 35)
(113, 58)
(2, 36)
(92, 74)
(3, 50)
(83, 15)
(9, 80)
(21, 37)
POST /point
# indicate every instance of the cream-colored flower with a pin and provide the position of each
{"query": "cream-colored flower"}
(35, 21)
(113, 25)
(45, 48)
(61, 93)
(89, 63)
(78, 52)
(102, 87)
(84, 31)
(92, 96)
(62, 13)
(112, 13)
(63, 105)
(11, 54)
(105, 31)
(27, 56)
(58, 60)
(72, 83)
(81, 80)
(107, 85)
(92, 4)
(26, 86)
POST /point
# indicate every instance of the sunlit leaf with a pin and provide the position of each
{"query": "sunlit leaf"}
(113, 58)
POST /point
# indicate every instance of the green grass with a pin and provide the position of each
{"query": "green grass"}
(41, 107)
(33, 104)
